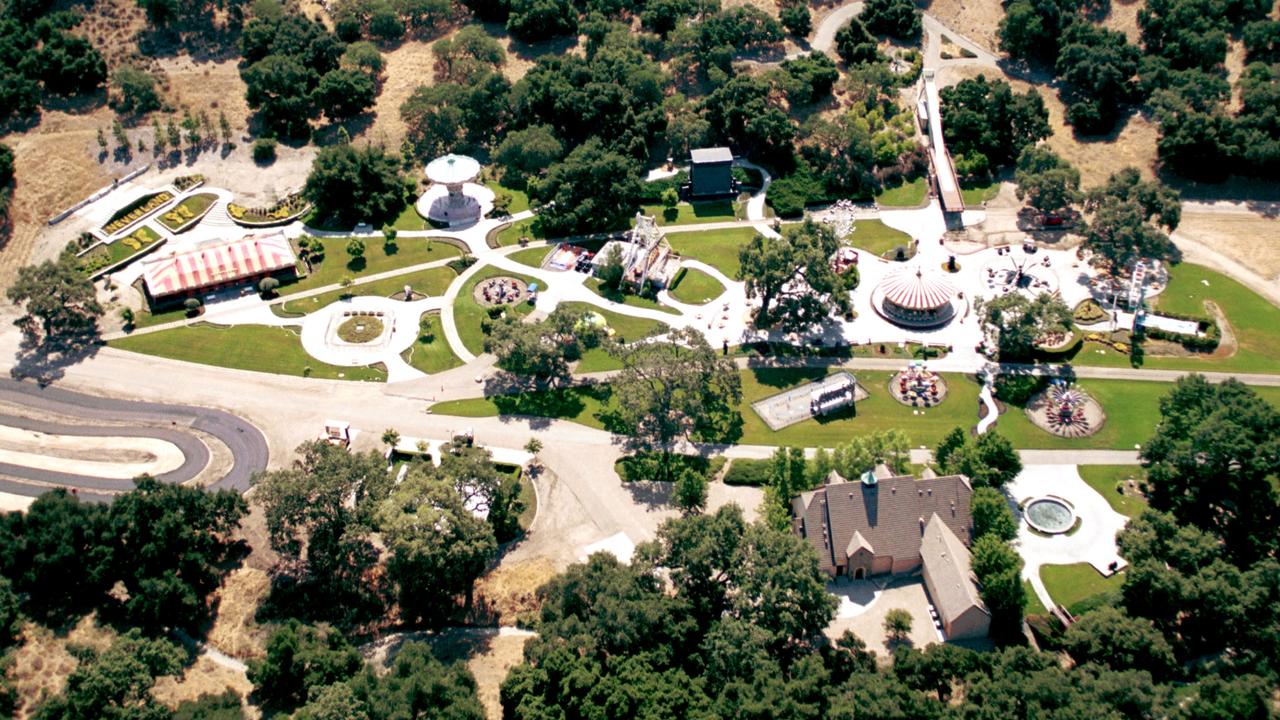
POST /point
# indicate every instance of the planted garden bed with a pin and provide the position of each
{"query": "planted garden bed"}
(104, 257)
(285, 211)
(187, 213)
(135, 211)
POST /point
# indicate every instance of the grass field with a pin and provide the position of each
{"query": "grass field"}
(532, 257)
(1073, 585)
(695, 287)
(879, 412)
(243, 347)
(627, 328)
(337, 264)
(1105, 478)
(511, 234)
(468, 314)
(975, 194)
(694, 213)
(877, 238)
(1253, 320)
(1034, 606)
(594, 285)
(519, 198)
(717, 248)
(432, 281)
(1132, 409)
(905, 195)
(434, 355)
(409, 219)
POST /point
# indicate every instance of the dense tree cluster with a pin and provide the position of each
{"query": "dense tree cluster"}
(292, 71)
(896, 18)
(39, 54)
(1020, 324)
(388, 20)
(987, 124)
(793, 278)
(116, 682)
(322, 514)
(1046, 181)
(1129, 218)
(315, 670)
(989, 461)
(357, 184)
(165, 544)
(543, 349)
(674, 392)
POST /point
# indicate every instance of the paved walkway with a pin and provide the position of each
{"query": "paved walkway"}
(1094, 542)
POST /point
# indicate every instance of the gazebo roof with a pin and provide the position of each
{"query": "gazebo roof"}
(914, 289)
(452, 169)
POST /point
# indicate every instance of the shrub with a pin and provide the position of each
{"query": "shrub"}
(192, 305)
(1018, 389)
(754, 473)
(267, 286)
(640, 467)
(264, 150)
(1089, 312)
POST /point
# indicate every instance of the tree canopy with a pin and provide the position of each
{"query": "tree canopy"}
(1129, 217)
(593, 188)
(988, 119)
(793, 278)
(357, 184)
(59, 300)
(1020, 324)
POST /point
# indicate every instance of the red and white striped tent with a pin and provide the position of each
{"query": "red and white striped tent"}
(217, 262)
(915, 290)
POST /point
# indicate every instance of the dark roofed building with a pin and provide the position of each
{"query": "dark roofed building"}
(885, 523)
(710, 172)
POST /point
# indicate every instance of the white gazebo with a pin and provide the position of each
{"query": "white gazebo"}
(453, 199)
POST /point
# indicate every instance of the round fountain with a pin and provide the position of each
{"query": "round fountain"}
(1049, 515)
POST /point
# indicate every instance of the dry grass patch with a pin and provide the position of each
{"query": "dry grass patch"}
(204, 677)
(408, 67)
(511, 589)
(234, 631)
(977, 20)
(41, 663)
(1124, 18)
(210, 86)
(769, 6)
(1248, 238)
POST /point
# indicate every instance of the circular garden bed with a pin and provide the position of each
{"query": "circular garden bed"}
(360, 329)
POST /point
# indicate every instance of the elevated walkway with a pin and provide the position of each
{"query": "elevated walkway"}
(944, 172)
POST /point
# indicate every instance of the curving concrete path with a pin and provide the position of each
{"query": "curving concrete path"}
(247, 444)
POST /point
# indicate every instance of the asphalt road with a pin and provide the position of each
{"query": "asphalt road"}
(247, 444)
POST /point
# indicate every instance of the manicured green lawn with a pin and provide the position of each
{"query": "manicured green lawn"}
(409, 219)
(1072, 585)
(511, 234)
(468, 314)
(593, 284)
(906, 195)
(625, 327)
(707, 211)
(147, 318)
(337, 263)
(519, 198)
(532, 257)
(1132, 409)
(530, 498)
(432, 281)
(433, 355)
(879, 412)
(695, 287)
(1105, 478)
(242, 347)
(1034, 606)
(717, 248)
(975, 194)
(877, 238)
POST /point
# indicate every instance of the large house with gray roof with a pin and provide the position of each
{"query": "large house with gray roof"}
(884, 523)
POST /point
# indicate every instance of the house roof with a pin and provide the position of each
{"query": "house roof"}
(889, 514)
(218, 261)
(946, 562)
(711, 155)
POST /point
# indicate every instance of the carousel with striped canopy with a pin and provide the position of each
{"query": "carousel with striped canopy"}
(914, 298)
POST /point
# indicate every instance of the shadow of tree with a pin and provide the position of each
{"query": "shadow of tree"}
(46, 361)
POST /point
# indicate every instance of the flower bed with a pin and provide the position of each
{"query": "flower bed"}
(107, 256)
(287, 210)
(187, 213)
(1089, 312)
(135, 211)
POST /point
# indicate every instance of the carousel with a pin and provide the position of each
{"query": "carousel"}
(453, 198)
(914, 298)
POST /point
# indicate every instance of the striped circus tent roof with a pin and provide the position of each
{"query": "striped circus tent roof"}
(216, 262)
(911, 288)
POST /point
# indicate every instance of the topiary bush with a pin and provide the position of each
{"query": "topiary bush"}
(264, 150)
